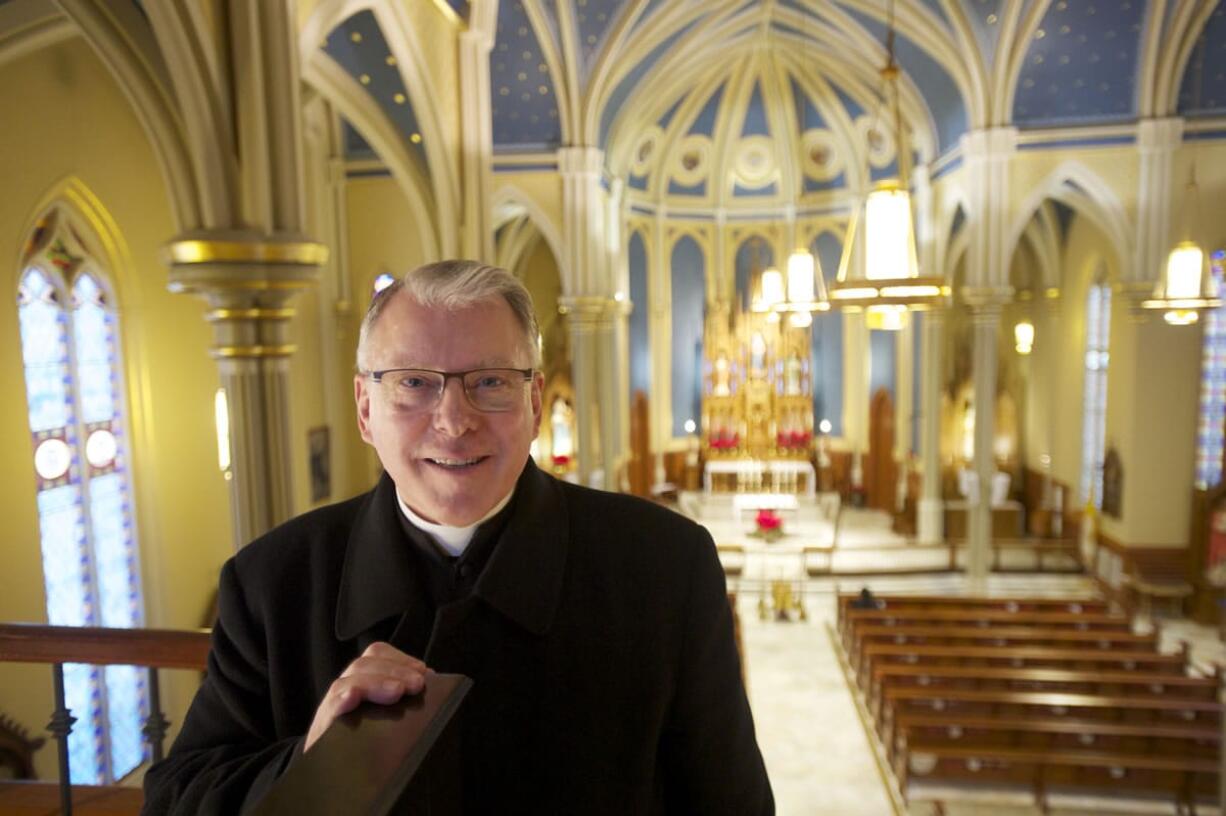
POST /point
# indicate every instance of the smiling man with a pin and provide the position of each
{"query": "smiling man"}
(594, 625)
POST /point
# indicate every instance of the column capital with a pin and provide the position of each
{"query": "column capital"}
(1160, 134)
(994, 142)
(592, 311)
(229, 268)
(987, 299)
(581, 160)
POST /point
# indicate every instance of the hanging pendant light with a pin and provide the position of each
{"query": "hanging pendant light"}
(890, 274)
(1186, 286)
(1023, 337)
(806, 288)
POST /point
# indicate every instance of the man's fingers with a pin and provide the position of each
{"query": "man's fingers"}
(386, 651)
(381, 675)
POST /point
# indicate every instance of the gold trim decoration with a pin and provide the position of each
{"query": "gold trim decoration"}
(200, 251)
(219, 315)
(253, 352)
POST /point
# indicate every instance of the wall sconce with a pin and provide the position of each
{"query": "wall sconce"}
(1023, 337)
(221, 416)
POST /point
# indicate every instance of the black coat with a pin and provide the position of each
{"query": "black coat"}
(598, 637)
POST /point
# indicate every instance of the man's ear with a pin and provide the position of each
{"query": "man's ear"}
(538, 387)
(361, 397)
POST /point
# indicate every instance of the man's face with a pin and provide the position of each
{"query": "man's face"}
(453, 463)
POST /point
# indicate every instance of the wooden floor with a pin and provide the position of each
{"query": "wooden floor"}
(43, 799)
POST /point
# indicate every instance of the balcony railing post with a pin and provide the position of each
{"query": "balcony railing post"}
(60, 727)
(156, 723)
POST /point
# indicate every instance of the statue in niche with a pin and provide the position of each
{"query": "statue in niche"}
(722, 386)
(1113, 484)
(792, 376)
(561, 417)
(757, 356)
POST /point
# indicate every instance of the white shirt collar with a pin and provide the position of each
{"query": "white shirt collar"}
(454, 540)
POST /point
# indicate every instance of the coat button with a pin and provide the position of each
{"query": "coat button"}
(466, 570)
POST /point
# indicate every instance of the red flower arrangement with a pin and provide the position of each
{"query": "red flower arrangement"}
(722, 440)
(560, 461)
(793, 439)
(768, 520)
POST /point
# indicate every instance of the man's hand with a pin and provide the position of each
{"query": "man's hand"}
(383, 674)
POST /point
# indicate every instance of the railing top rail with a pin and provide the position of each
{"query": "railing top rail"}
(159, 648)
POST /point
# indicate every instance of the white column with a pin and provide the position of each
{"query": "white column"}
(856, 363)
(1157, 142)
(986, 328)
(904, 355)
(476, 142)
(930, 518)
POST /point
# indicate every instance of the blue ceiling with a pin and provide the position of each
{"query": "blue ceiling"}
(1082, 64)
(525, 108)
(1204, 81)
(359, 47)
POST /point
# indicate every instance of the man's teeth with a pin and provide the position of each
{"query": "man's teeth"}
(456, 462)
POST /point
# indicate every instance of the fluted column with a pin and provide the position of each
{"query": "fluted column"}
(930, 519)
(247, 284)
(904, 354)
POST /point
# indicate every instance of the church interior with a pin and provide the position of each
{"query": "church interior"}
(913, 296)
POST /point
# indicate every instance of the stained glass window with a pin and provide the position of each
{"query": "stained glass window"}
(1094, 403)
(90, 565)
(1210, 427)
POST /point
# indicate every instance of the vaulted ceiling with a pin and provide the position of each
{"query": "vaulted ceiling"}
(723, 100)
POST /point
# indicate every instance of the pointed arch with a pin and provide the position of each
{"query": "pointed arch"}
(1079, 188)
(509, 201)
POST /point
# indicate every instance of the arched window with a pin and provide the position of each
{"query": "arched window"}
(1209, 429)
(70, 351)
(1094, 402)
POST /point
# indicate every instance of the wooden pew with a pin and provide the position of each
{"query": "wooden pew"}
(1002, 636)
(1028, 657)
(987, 618)
(1184, 778)
(1045, 693)
(936, 679)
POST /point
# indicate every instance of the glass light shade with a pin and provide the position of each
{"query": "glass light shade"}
(800, 277)
(801, 320)
(772, 288)
(888, 238)
(221, 417)
(1023, 337)
(1180, 317)
(1183, 271)
(886, 317)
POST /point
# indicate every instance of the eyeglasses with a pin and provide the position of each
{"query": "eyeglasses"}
(492, 390)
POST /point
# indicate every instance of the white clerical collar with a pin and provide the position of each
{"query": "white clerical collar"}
(454, 540)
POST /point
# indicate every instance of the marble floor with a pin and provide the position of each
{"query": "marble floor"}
(810, 726)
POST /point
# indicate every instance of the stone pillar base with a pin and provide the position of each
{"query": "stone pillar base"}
(930, 521)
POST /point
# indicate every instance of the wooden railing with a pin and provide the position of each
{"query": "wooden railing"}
(371, 761)
(151, 648)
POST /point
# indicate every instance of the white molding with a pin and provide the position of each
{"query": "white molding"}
(352, 102)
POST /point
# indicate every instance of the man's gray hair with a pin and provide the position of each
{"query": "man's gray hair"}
(454, 285)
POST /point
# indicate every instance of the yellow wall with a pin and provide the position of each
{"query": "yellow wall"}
(380, 240)
(69, 119)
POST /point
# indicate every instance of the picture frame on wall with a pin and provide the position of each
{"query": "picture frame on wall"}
(320, 463)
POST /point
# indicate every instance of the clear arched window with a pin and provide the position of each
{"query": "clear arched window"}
(73, 375)
(1210, 427)
(1094, 402)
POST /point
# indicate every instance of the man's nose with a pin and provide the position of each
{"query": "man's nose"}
(455, 414)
